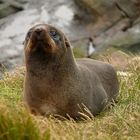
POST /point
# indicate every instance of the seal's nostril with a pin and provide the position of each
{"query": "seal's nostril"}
(39, 30)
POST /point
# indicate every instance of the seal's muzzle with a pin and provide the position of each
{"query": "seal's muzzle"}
(39, 34)
(40, 40)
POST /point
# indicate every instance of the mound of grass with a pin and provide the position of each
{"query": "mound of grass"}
(78, 52)
(121, 121)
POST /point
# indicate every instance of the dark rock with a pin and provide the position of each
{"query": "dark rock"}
(108, 13)
(110, 9)
(128, 41)
(8, 7)
(100, 9)
(117, 22)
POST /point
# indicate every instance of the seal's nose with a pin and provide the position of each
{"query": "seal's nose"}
(39, 33)
(39, 30)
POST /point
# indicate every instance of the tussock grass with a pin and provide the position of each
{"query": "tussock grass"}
(121, 121)
(78, 53)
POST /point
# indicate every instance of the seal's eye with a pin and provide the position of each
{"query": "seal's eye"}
(54, 35)
(27, 38)
(28, 34)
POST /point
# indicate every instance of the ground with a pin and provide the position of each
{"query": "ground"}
(120, 122)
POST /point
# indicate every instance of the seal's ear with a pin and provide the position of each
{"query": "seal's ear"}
(67, 43)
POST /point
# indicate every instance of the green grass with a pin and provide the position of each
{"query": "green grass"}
(78, 52)
(120, 122)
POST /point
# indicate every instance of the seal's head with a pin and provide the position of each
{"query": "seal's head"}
(45, 41)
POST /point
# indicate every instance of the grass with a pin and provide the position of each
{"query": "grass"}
(78, 52)
(120, 122)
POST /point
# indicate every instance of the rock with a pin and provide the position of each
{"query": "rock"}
(8, 7)
(104, 8)
(108, 13)
(131, 7)
(128, 41)
(100, 9)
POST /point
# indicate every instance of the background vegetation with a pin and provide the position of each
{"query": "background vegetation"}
(121, 121)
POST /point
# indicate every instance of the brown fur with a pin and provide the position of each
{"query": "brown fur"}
(56, 83)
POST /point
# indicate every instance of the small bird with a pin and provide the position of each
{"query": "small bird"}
(91, 47)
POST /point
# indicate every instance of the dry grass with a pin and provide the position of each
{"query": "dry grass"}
(122, 121)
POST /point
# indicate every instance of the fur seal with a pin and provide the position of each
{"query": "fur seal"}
(57, 83)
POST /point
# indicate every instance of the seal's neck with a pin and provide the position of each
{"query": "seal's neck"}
(51, 66)
(69, 60)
